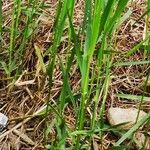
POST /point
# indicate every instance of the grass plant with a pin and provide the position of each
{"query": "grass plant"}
(90, 48)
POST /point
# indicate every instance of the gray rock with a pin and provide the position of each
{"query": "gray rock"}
(128, 116)
(3, 121)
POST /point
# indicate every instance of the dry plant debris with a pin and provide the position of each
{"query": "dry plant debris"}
(29, 93)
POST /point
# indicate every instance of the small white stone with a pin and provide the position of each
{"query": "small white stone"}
(118, 116)
(3, 121)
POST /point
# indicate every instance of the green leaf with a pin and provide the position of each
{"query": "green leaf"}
(106, 14)
(133, 97)
(133, 129)
(136, 48)
(40, 58)
(76, 44)
(123, 18)
(120, 7)
(5, 67)
(131, 63)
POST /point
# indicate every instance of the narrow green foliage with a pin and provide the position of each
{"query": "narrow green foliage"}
(133, 97)
(147, 29)
(106, 87)
(16, 50)
(14, 29)
(123, 18)
(141, 62)
(61, 15)
(12, 34)
(106, 14)
(58, 30)
(66, 89)
(120, 7)
(77, 45)
(97, 23)
(89, 51)
(40, 58)
(30, 11)
(136, 47)
(129, 133)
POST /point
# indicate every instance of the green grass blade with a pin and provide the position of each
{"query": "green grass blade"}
(120, 7)
(40, 58)
(76, 44)
(123, 18)
(133, 129)
(136, 48)
(106, 14)
(131, 63)
(133, 97)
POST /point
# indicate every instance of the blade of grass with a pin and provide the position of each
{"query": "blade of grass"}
(138, 123)
(131, 63)
(120, 7)
(133, 129)
(61, 15)
(136, 48)
(133, 97)
(12, 33)
(106, 15)
(40, 58)
(85, 67)
(147, 29)
(76, 43)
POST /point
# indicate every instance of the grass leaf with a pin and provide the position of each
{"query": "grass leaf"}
(132, 63)
(133, 129)
(133, 97)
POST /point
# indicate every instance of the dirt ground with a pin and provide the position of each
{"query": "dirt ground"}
(28, 94)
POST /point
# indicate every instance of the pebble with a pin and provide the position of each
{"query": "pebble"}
(3, 121)
(128, 116)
